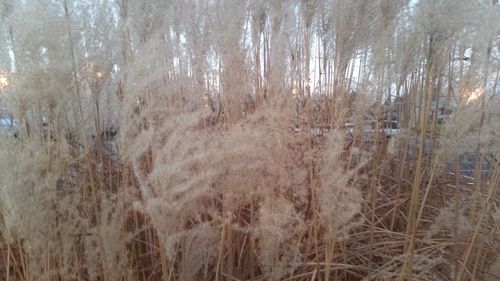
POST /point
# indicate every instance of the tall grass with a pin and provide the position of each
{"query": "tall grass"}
(211, 140)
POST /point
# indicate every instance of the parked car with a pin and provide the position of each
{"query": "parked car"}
(8, 126)
(389, 128)
(107, 141)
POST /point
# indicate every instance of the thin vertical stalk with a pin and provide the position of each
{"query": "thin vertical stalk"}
(411, 231)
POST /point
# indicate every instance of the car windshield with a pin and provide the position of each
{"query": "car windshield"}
(391, 125)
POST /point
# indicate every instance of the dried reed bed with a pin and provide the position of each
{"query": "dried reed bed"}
(194, 199)
(207, 153)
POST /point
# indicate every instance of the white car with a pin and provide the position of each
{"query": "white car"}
(390, 128)
(7, 126)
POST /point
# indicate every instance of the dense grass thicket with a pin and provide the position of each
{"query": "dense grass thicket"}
(249, 140)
